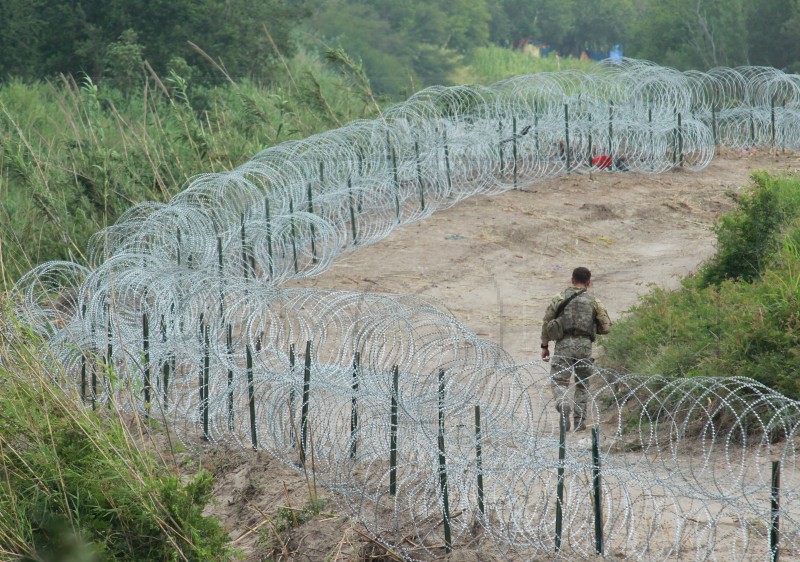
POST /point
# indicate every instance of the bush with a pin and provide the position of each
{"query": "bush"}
(747, 236)
(77, 485)
(740, 316)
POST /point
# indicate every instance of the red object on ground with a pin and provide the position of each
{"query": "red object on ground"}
(601, 162)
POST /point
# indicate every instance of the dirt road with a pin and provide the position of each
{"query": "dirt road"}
(495, 262)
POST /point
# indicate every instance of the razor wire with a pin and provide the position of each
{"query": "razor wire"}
(180, 314)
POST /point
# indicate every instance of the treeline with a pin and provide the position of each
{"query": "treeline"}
(111, 38)
(402, 44)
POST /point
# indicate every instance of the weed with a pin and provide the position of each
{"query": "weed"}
(77, 485)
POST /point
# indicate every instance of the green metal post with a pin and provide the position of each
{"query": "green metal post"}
(447, 164)
(514, 147)
(393, 433)
(680, 140)
(479, 457)
(562, 453)
(420, 182)
(166, 365)
(311, 211)
(650, 128)
(94, 372)
(352, 211)
(448, 541)
(178, 251)
(243, 237)
(251, 395)
(596, 485)
(229, 342)
(590, 139)
(292, 397)
(221, 271)
(109, 352)
(354, 405)
(292, 232)
(774, 522)
(206, 373)
(146, 370)
(83, 362)
(566, 133)
(306, 397)
(500, 146)
(393, 158)
(268, 218)
(772, 120)
(714, 126)
(83, 377)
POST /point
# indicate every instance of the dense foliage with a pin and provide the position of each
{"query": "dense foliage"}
(77, 485)
(41, 38)
(740, 314)
(402, 44)
(75, 155)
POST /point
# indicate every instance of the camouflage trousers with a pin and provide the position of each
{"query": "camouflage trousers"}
(572, 356)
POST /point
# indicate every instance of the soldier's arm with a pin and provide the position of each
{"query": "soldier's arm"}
(549, 314)
(602, 320)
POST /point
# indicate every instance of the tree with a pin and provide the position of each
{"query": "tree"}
(773, 33)
(55, 36)
(404, 41)
(124, 63)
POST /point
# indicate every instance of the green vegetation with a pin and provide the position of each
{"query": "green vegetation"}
(42, 38)
(403, 45)
(492, 64)
(288, 518)
(740, 314)
(75, 155)
(80, 486)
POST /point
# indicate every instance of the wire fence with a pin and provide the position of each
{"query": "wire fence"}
(424, 430)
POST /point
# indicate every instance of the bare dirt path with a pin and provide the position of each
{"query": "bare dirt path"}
(495, 262)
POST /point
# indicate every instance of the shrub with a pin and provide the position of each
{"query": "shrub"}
(77, 485)
(747, 236)
(740, 316)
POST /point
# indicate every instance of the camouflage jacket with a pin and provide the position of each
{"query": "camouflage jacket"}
(583, 317)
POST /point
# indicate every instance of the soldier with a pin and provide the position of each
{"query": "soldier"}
(572, 319)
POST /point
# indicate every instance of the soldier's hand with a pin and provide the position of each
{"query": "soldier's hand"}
(545, 354)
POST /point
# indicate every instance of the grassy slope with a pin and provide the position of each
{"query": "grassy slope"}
(78, 485)
(74, 156)
(740, 314)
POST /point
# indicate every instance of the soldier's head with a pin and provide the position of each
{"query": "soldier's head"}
(581, 276)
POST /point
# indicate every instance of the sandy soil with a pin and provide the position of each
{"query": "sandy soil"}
(495, 262)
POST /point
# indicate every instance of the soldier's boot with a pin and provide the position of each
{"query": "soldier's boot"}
(563, 409)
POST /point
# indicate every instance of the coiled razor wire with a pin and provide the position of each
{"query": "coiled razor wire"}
(390, 400)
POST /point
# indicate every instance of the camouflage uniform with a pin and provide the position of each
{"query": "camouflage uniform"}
(583, 318)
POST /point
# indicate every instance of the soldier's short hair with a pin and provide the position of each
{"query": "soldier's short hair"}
(581, 274)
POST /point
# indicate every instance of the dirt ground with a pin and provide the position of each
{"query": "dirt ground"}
(495, 262)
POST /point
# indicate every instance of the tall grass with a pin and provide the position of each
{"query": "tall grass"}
(74, 154)
(740, 314)
(486, 65)
(80, 486)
